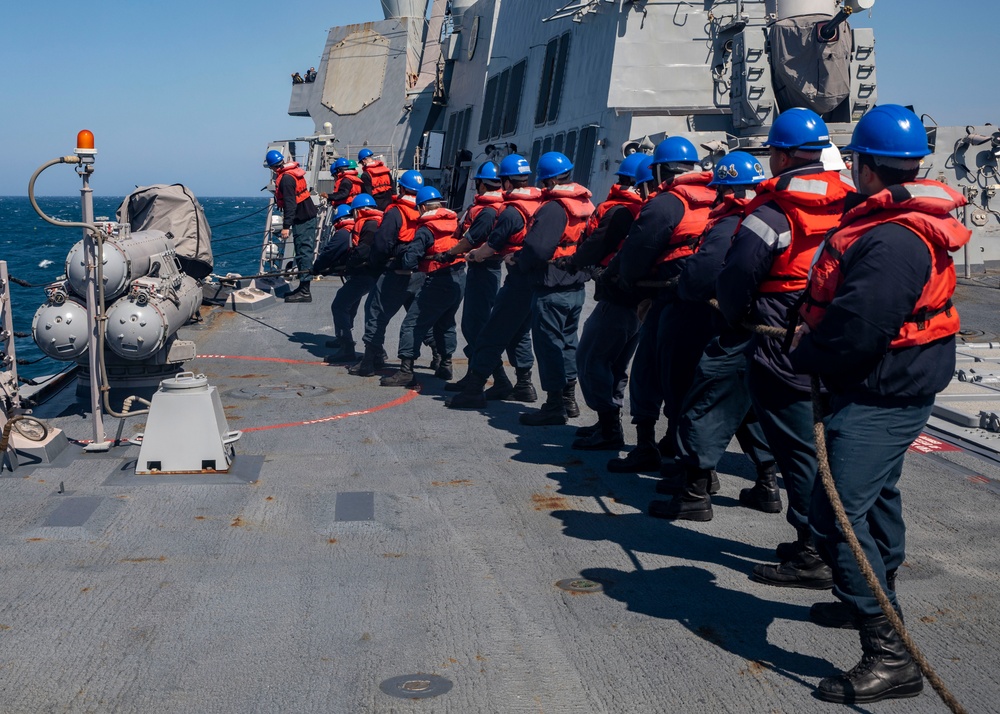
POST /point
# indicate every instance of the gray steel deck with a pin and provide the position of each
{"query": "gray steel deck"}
(157, 594)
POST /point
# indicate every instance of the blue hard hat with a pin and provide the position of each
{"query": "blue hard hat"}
(644, 171)
(363, 200)
(273, 158)
(553, 164)
(488, 171)
(428, 193)
(514, 165)
(890, 130)
(675, 150)
(343, 211)
(738, 168)
(365, 154)
(412, 181)
(799, 128)
(339, 164)
(631, 163)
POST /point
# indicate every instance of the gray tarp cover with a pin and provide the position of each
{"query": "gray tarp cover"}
(808, 73)
(172, 209)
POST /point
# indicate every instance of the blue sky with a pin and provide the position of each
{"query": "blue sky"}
(191, 92)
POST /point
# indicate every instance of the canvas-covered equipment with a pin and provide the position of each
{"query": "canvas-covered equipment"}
(810, 73)
(174, 210)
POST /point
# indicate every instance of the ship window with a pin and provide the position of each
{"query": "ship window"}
(463, 142)
(489, 100)
(546, 144)
(557, 143)
(553, 75)
(512, 107)
(536, 151)
(585, 155)
(570, 144)
(450, 139)
(498, 109)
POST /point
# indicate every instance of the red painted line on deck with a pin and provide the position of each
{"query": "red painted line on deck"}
(408, 397)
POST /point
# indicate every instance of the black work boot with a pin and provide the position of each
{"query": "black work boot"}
(675, 483)
(381, 358)
(806, 570)
(524, 390)
(764, 495)
(403, 378)
(607, 437)
(693, 504)
(443, 370)
(552, 413)
(457, 385)
(589, 429)
(471, 396)
(644, 457)
(366, 367)
(300, 294)
(502, 388)
(842, 615)
(569, 400)
(886, 670)
(435, 362)
(344, 352)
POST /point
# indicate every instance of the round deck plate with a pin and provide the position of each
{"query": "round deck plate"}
(580, 585)
(416, 686)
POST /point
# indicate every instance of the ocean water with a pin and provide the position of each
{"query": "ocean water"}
(35, 251)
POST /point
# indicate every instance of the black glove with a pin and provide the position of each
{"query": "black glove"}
(565, 263)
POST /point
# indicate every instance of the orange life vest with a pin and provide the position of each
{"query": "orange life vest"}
(443, 224)
(356, 186)
(525, 201)
(693, 191)
(813, 204)
(301, 189)
(575, 200)
(346, 224)
(481, 201)
(364, 215)
(407, 207)
(380, 176)
(617, 196)
(924, 207)
(729, 206)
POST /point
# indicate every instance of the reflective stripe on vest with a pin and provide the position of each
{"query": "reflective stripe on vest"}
(693, 191)
(924, 208)
(443, 224)
(813, 205)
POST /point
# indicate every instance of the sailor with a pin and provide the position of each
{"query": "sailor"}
(509, 325)
(397, 286)
(761, 282)
(359, 279)
(434, 307)
(663, 235)
(290, 190)
(554, 233)
(334, 249)
(483, 278)
(717, 404)
(611, 333)
(377, 178)
(297, 78)
(348, 183)
(880, 331)
(310, 75)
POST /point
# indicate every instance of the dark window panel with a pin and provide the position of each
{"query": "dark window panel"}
(585, 155)
(545, 85)
(558, 78)
(514, 91)
(570, 148)
(489, 99)
(536, 151)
